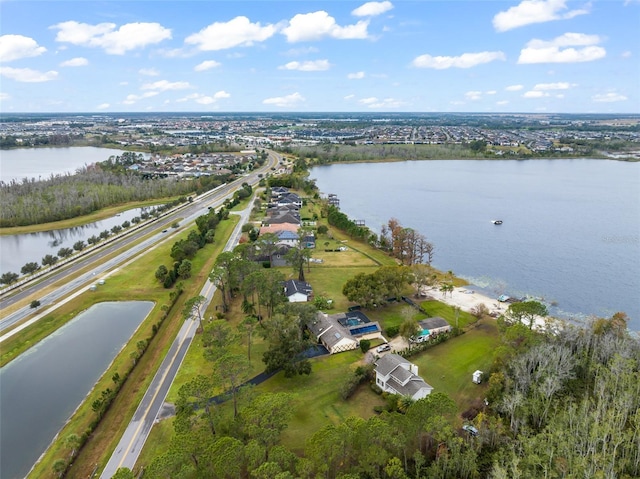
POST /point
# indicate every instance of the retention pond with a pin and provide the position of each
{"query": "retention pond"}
(41, 389)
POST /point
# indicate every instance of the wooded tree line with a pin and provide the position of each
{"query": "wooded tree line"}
(66, 196)
(337, 218)
(334, 153)
(405, 244)
(564, 405)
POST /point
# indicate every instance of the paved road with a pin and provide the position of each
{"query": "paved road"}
(132, 441)
(50, 301)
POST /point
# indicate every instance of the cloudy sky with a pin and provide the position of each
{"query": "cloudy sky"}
(403, 56)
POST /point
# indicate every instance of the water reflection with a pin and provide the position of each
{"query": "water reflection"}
(17, 250)
(62, 368)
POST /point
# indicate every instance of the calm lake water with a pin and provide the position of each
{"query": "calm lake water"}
(17, 250)
(43, 162)
(42, 387)
(570, 232)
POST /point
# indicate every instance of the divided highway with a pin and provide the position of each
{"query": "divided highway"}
(186, 214)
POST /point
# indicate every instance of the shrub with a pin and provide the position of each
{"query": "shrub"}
(365, 345)
(392, 331)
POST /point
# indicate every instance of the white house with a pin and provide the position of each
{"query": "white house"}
(297, 291)
(396, 375)
(288, 238)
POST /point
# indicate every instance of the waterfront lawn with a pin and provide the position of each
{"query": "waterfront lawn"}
(393, 314)
(437, 308)
(328, 282)
(448, 367)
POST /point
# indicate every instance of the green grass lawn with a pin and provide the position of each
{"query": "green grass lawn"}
(436, 308)
(316, 397)
(448, 367)
(392, 315)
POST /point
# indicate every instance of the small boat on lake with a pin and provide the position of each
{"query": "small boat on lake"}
(496, 222)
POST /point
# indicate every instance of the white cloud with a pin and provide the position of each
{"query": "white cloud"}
(610, 97)
(473, 95)
(534, 11)
(317, 25)
(288, 101)
(466, 60)
(103, 106)
(164, 85)
(75, 62)
(553, 86)
(4, 96)
(626, 54)
(514, 87)
(502, 102)
(373, 102)
(349, 97)
(205, 99)
(206, 65)
(114, 42)
(542, 90)
(371, 9)
(490, 92)
(535, 94)
(308, 66)
(150, 72)
(131, 99)
(27, 75)
(238, 32)
(296, 52)
(560, 49)
(355, 76)
(14, 47)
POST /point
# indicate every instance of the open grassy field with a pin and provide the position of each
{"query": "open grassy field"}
(437, 308)
(448, 366)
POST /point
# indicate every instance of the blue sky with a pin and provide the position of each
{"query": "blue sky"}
(555, 56)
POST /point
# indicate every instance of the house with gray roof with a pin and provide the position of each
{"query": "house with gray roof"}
(431, 327)
(297, 291)
(343, 331)
(396, 375)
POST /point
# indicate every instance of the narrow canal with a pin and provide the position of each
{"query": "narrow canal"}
(40, 389)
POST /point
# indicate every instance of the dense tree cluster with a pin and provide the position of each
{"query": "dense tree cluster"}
(405, 244)
(337, 218)
(376, 289)
(67, 196)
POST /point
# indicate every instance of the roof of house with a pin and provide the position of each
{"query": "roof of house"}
(279, 227)
(283, 218)
(433, 323)
(293, 286)
(329, 329)
(286, 235)
(400, 378)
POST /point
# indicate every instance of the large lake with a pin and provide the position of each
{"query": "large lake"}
(41, 163)
(43, 386)
(570, 232)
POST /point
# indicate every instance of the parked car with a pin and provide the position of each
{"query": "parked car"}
(384, 347)
(470, 429)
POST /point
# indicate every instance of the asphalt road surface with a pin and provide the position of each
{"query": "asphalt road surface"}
(132, 441)
(48, 302)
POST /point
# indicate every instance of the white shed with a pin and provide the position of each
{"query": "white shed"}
(477, 377)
